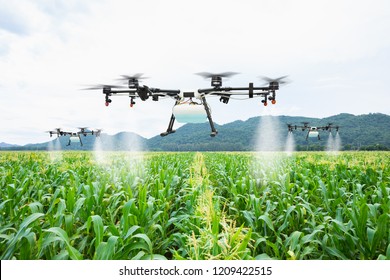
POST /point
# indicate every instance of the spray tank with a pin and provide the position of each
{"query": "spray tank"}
(189, 111)
(74, 139)
(313, 132)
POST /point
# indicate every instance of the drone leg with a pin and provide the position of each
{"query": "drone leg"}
(170, 126)
(81, 142)
(214, 132)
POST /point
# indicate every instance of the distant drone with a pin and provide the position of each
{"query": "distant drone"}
(186, 109)
(75, 136)
(312, 131)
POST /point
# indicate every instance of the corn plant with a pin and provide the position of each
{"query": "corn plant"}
(195, 206)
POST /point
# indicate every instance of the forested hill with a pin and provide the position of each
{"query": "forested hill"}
(367, 132)
(362, 132)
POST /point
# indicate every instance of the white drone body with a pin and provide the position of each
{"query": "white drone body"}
(313, 132)
(74, 139)
(190, 113)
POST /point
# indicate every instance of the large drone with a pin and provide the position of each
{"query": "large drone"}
(186, 109)
(75, 136)
(313, 131)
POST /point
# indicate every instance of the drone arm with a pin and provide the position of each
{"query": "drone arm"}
(251, 88)
(170, 92)
(116, 91)
(149, 92)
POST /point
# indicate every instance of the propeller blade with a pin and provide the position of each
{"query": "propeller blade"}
(137, 76)
(281, 80)
(102, 86)
(208, 75)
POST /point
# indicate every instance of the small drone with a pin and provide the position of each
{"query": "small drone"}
(186, 109)
(75, 136)
(312, 131)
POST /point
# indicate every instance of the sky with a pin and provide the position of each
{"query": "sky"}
(335, 52)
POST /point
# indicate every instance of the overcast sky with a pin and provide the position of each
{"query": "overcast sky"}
(336, 53)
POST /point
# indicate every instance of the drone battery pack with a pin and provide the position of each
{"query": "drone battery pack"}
(190, 113)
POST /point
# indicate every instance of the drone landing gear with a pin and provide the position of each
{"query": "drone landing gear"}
(214, 132)
(170, 126)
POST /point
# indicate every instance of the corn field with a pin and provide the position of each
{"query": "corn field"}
(195, 206)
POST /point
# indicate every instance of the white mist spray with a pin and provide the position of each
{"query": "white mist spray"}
(290, 144)
(337, 142)
(99, 154)
(268, 138)
(54, 149)
(134, 151)
(330, 143)
(267, 161)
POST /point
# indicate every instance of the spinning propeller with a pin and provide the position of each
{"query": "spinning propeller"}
(216, 78)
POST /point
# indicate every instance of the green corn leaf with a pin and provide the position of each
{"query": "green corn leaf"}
(267, 220)
(131, 231)
(73, 253)
(380, 232)
(98, 229)
(23, 231)
(146, 239)
(106, 250)
(263, 256)
(154, 257)
(336, 253)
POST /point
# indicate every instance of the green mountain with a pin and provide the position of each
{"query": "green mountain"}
(362, 132)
